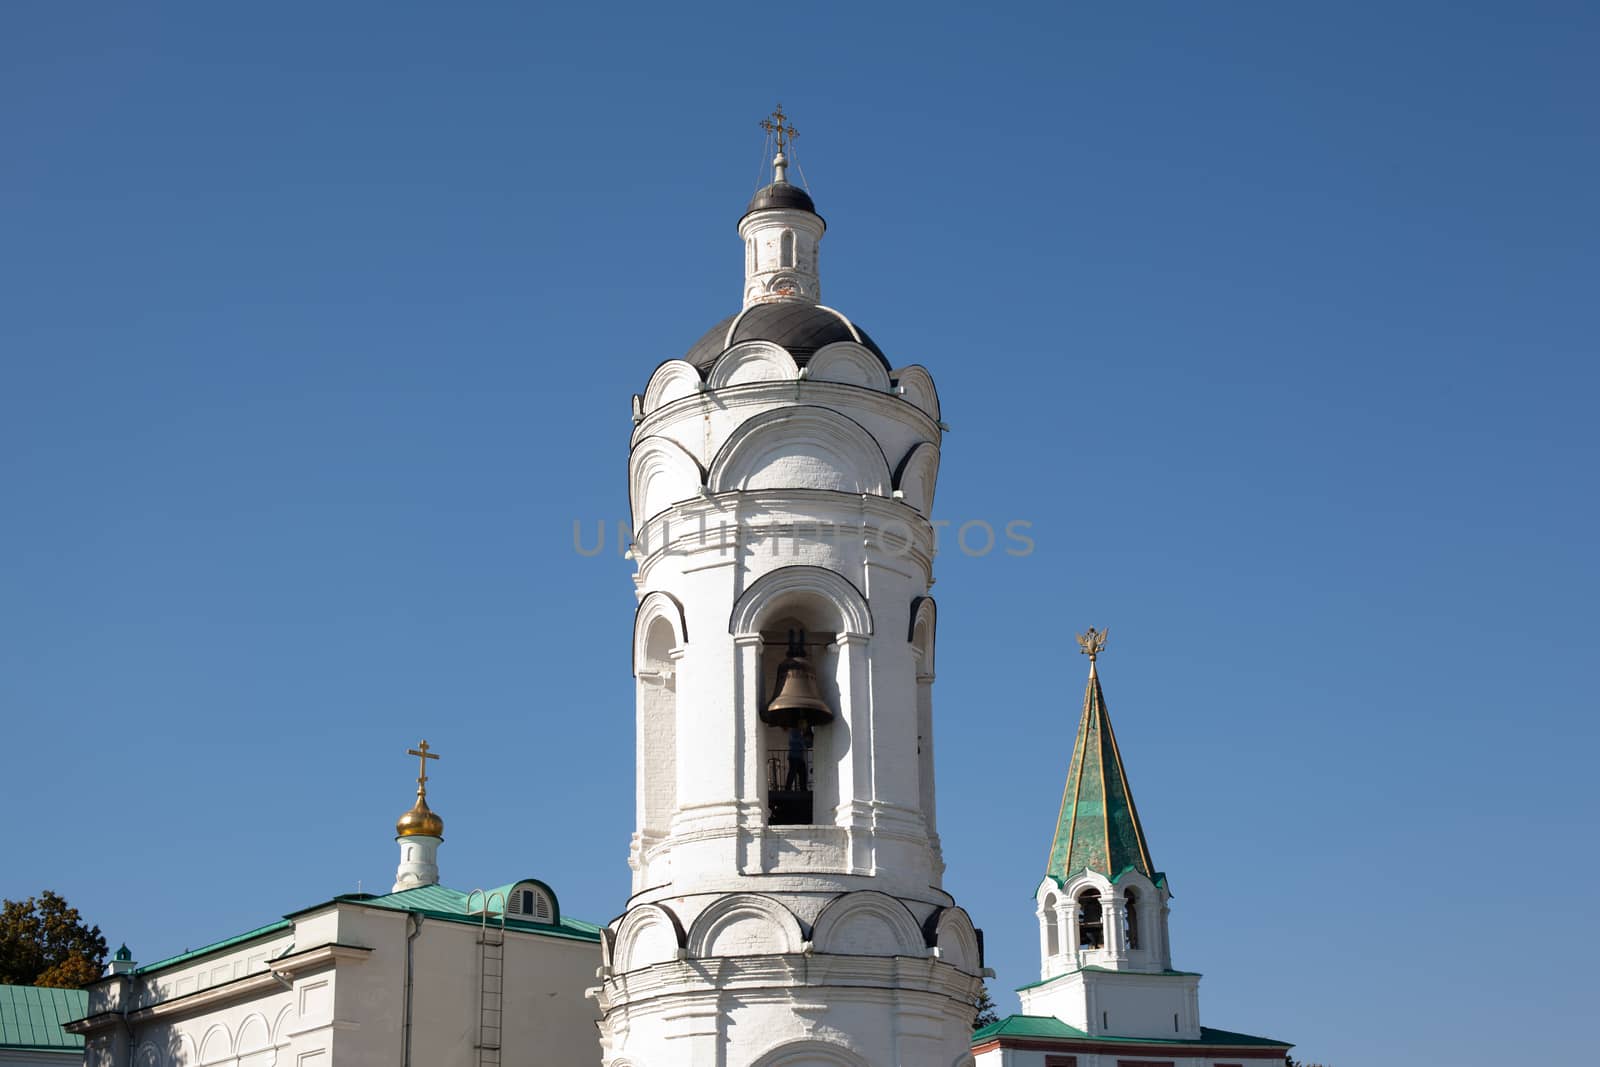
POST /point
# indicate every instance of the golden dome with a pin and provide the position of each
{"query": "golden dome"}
(420, 821)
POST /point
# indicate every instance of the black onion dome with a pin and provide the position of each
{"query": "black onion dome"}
(800, 328)
(781, 195)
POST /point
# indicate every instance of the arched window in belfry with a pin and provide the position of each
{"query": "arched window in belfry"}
(786, 249)
(1091, 930)
(922, 638)
(1130, 917)
(658, 709)
(797, 711)
(1052, 936)
(801, 630)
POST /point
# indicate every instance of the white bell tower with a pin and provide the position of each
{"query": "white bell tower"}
(787, 907)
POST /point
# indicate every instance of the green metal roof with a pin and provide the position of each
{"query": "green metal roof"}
(31, 1017)
(434, 901)
(1098, 827)
(441, 902)
(1048, 1026)
(216, 946)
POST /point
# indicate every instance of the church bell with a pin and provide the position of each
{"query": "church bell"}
(796, 700)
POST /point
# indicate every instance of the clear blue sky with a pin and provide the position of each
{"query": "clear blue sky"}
(318, 325)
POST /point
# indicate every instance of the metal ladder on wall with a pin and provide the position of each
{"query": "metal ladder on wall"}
(491, 972)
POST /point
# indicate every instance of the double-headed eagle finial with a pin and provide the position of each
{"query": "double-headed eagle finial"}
(1091, 643)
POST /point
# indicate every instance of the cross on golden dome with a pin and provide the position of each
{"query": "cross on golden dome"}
(421, 820)
(423, 756)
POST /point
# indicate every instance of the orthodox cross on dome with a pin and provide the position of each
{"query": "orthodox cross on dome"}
(423, 756)
(778, 125)
(1091, 643)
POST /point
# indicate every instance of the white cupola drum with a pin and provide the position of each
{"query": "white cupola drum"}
(781, 231)
(419, 832)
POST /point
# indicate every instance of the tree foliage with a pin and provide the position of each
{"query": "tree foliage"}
(44, 941)
(986, 1011)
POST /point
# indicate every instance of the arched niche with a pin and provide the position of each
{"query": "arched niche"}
(788, 586)
(753, 361)
(745, 924)
(659, 636)
(918, 388)
(254, 1034)
(673, 380)
(848, 363)
(660, 474)
(811, 1053)
(956, 939)
(922, 635)
(282, 1025)
(648, 935)
(801, 447)
(923, 631)
(217, 1044)
(787, 283)
(867, 923)
(917, 476)
(657, 605)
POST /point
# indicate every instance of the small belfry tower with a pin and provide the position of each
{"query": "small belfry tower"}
(419, 832)
(1102, 906)
(1107, 993)
(787, 906)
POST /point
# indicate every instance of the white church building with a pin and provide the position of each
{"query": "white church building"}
(423, 976)
(787, 906)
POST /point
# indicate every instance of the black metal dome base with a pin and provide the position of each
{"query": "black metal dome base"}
(800, 328)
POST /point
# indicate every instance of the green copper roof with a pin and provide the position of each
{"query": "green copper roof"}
(1098, 828)
(216, 946)
(434, 901)
(441, 902)
(1048, 1026)
(31, 1017)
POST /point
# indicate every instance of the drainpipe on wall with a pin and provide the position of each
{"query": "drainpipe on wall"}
(414, 921)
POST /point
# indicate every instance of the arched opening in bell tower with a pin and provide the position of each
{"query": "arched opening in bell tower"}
(1091, 928)
(799, 671)
(1130, 918)
(822, 685)
(658, 728)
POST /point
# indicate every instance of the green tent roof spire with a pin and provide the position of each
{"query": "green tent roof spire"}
(1098, 828)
